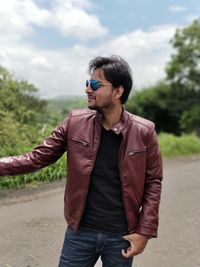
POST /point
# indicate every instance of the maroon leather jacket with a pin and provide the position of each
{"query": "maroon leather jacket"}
(140, 165)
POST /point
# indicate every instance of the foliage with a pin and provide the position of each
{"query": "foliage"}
(21, 112)
(14, 135)
(190, 119)
(172, 145)
(19, 100)
(183, 74)
(153, 103)
(171, 112)
(184, 68)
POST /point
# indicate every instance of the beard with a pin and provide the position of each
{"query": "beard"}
(96, 108)
(101, 106)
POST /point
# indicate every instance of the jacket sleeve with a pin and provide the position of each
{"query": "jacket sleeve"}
(45, 154)
(148, 220)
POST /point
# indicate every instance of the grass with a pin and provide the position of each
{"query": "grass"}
(172, 145)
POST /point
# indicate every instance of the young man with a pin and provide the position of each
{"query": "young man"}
(114, 172)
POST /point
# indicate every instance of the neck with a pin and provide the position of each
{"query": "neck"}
(111, 117)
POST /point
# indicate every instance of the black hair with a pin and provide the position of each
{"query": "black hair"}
(116, 71)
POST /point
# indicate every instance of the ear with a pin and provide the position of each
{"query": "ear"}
(118, 92)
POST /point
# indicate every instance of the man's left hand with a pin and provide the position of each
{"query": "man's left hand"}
(137, 242)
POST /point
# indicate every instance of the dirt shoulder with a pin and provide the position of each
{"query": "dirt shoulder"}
(12, 196)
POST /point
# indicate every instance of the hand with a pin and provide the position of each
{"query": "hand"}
(138, 243)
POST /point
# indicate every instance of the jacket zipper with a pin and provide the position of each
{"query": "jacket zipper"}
(135, 153)
(81, 142)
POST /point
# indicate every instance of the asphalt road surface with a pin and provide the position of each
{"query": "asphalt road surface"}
(32, 225)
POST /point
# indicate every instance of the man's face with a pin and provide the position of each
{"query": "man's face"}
(103, 98)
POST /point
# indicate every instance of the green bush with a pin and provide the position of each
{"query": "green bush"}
(172, 145)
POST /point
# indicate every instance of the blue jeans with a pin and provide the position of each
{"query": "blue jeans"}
(83, 248)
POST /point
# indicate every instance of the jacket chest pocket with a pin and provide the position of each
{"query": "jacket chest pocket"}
(137, 153)
(79, 142)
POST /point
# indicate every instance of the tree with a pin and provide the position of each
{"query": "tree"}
(19, 99)
(183, 74)
(190, 120)
(21, 113)
(184, 68)
(154, 103)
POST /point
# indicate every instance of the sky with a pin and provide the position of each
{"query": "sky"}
(50, 42)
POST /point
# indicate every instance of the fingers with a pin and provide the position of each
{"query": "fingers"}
(134, 249)
(129, 252)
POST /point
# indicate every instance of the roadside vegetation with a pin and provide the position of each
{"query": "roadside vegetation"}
(173, 104)
(172, 145)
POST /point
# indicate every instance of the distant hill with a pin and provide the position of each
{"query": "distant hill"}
(59, 107)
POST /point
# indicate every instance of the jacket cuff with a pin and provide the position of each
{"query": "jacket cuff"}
(150, 232)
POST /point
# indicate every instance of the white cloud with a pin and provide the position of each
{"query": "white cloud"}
(31, 13)
(18, 18)
(11, 23)
(41, 63)
(70, 19)
(177, 9)
(83, 4)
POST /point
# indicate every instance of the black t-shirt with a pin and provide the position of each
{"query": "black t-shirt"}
(104, 208)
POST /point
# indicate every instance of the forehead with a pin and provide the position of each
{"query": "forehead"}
(98, 74)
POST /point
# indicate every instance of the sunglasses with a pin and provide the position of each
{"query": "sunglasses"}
(94, 84)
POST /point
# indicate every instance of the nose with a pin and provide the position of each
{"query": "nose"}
(88, 89)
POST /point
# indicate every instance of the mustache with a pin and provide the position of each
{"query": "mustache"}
(90, 96)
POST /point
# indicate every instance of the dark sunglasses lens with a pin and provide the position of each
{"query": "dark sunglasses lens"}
(94, 85)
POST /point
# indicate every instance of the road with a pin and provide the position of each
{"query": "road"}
(32, 225)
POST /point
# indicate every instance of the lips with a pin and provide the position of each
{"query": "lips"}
(91, 97)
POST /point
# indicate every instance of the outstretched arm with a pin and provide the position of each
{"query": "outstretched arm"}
(45, 154)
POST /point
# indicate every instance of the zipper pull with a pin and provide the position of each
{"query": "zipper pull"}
(84, 143)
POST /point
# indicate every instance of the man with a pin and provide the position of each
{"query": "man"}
(114, 172)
